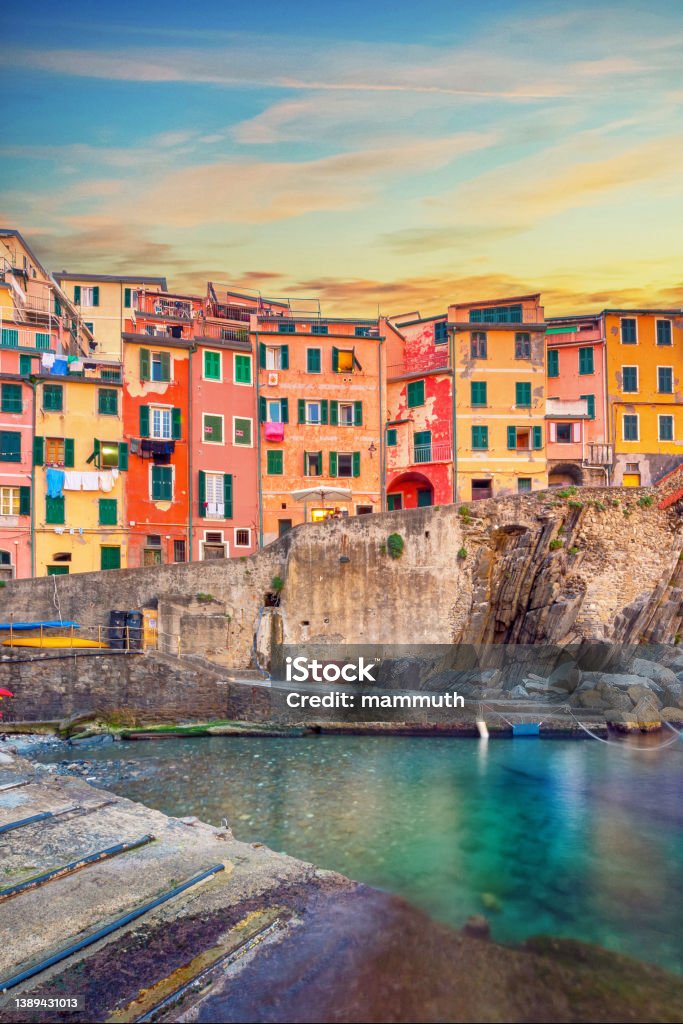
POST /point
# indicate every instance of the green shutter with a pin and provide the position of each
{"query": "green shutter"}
(392, 437)
(274, 462)
(10, 337)
(333, 463)
(69, 452)
(25, 365)
(96, 295)
(284, 410)
(523, 394)
(284, 357)
(262, 355)
(478, 392)
(107, 402)
(538, 437)
(301, 411)
(123, 455)
(42, 341)
(110, 558)
(227, 495)
(127, 292)
(54, 511)
(38, 451)
(176, 423)
(512, 437)
(145, 363)
(313, 360)
(262, 412)
(415, 393)
(11, 400)
(202, 493)
(10, 446)
(95, 455)
(590, 404)
(24, 501)
(324, 411)
(162, 483)
(334, 413)
(553, 362)
(356, 463)
(165, 358)
(77, 294)
(358, 414)
(335, 361)
(108, 511)
(144, 421)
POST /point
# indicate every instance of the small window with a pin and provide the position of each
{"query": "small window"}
(346, 418)
(274, 411)
(523, 394)
(212, 366)
(522, 345)
(664, 332)
(320, 329)
(53, 397)
(478, 392)
(161, 423)
(9, 501)
(629, 335)
(480, 438)
(241, 430)
(42, 341)
(344, 360)
(666, 428)
(274, 462)
(440, 332)
(277, 358)
(107, 402)
(363, 332)
(179, 551)
(110, 454)
(212, 428)
(478, 344)
(416, 393)
(161, 366)
(242, 538)
(313, 360)
(313, 463)
(586, 360)
(482, 489)
(90, 326)
(345, 464)
(242, 369)
(286, 328)
(631, 430)
(54, 451)
(10, 446)
(392, 437)
(162, 483)
(564, 433)
(523, 484)
(364, 510)
(665, 380)
(629, 379)
(11, 400)
(313, 412)
(553, 362)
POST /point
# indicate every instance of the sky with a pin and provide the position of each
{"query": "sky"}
(390, 157)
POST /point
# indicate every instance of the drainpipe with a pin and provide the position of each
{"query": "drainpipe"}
(189, 452)
(382, 439)
(33, 485)
(454, 432)
(604, 400)
(257, 421)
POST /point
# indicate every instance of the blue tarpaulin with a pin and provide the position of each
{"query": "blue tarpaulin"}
(526, 729)
(36, 625)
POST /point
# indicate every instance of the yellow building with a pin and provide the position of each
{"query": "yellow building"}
(499, 381)
(105, 302)
(79, 465)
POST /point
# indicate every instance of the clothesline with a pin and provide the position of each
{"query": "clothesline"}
(59, 480)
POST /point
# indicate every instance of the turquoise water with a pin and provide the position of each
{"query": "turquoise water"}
(568, 838)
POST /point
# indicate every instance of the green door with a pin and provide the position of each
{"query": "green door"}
(425, 496)
(110, 558)
(58, 570)
(394, 502)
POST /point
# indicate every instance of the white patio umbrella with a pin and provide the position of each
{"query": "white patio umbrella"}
(322, 494)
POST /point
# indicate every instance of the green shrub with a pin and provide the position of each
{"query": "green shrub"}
(599, 506)
(277, 584)
(573, 550)
(464, 514)
(646, 500)
(205, 598)
(566, 492)
(395, 545)
(556, 543)
(462, 553)
(575, 504)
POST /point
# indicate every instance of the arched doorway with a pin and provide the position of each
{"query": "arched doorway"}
(564, 473)
(410, 490)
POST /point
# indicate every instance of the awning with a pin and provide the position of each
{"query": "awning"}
(323, 494)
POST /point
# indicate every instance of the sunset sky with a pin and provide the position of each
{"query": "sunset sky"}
(399, 156)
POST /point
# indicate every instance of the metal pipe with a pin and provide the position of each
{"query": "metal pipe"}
(189, 454)
(454, 431)
(257, 421)
(382, 430)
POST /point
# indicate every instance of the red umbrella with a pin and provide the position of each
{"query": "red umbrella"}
(5, 693)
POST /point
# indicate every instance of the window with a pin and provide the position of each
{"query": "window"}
(155, 366)
(590, 405)
(344, 464)
(161, 423)
(392, 437)
(25, 365)
(629, 334)
(346, 417)
(90, 326)
(362, 332)
(283, 526)
(54, 511)
(416, 393)
(110, 558)
(212, 428)
(523, 484)
(53, 397)
(342, 360)
(313, 463)
(241, 430)
(320, 329)
(629, 378)
(110, 455)
(274, 410)
(478, 344)
(664, 332)
(440, 332)
(563, 433)
(522, 345)
(523, 394)
(152, 555)
(162, 483)
(553, 363)
(9, 501)
(631, 428)
(364, 510)
(107, 508)
(242, 538)
(478, 392)
(212, 366)
(213, 545)
(313, 360)
(107, 402)
(666, 428)
(665, 380)
(242, 369)
(394, 502)
(286, 328)
(86, 295)
(127, 298)
(522, 439)
(10, 446)
(497, 315)
(11, 400)
(42, 341)
(422, 446)
(111, 374)
(58, 570)
(9, 337)
(482, 489)
(274, 462)
(480, 438)
(215, 495)
(313, 412)
(586, 361)
(56, 451)
(275, 358)
(179, 551)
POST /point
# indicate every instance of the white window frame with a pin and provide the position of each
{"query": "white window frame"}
(212, 380)
(630, 440)
(343, 476)
(162, 410)
(664, 320)
(88, 295)
(240, 444)
(630, 366)
(242, 383)
(621, 319)
(673, 380)
(211, 543)
(149, 486)
(669, 416)
(242, 529)
(8, 493)
(307, 467)
(346, 405)
(273, 356)
(216, 416)
(269, 416)
(315, 401)
(216, 478)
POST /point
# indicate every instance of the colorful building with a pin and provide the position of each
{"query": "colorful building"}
(320, 410)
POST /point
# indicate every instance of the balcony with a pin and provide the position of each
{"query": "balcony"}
(207, 330)
(228, 311)
(153, 304)
(425, 363)
(440, 452)
(599, 454)
(564, 408)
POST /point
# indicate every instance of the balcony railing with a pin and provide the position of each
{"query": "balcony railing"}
(227, 311)
(599, 454)
(205, 330)
(431, 361)
(441, 452)
(160, 305)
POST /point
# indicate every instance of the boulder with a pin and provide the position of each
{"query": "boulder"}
(652, 670)
(624, 680)
(519, 693)
(622, 721)
(566, 677)
(616, 699)
(673, 715)
(589, 699)
(646, 712)
(638, 693)
(673, 693)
